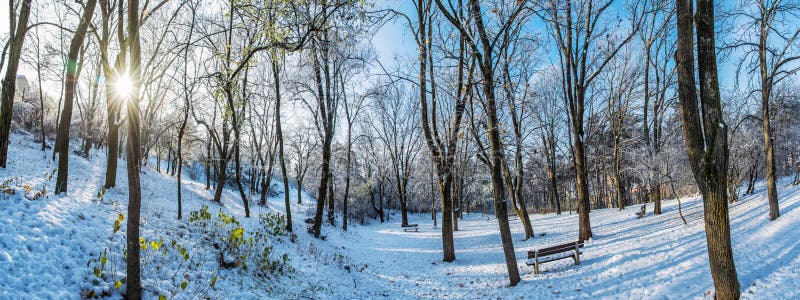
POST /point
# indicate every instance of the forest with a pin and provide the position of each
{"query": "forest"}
(408, 149)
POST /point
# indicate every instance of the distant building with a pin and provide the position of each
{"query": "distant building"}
(22, 87)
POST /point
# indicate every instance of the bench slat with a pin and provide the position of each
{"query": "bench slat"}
(567, 245)
(558, 258)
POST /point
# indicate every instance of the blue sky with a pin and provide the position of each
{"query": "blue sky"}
(394, 39)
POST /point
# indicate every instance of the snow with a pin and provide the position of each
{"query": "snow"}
(45, 245)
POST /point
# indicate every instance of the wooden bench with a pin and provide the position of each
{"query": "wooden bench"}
(642, 212)
(540, 256)
(411, 227)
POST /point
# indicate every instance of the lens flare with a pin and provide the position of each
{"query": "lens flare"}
(123, 86)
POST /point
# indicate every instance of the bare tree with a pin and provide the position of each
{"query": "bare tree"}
(394, 124)
(484, 44)
(774, 55)
(133, 264)
(352, 109)
(577, 34)
(705, 134)
(73, 73)
(620, 83)
(16, 40)
(302, 145)
(187, 101)
(658, 49)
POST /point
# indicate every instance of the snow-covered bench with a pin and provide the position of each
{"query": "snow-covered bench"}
(641, 212)
(549, 254)
(411, 227)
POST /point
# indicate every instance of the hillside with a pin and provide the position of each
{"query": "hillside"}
(47, 242)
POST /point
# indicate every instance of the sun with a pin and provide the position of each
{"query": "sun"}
(123, 85)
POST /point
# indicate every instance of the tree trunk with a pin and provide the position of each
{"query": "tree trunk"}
(346, 181)
(158, 159)
(551, 174)
(706, 145)
(10, 79)
(266, 181)
(443, 171)
(327, 138)
(222, 176)
(401, 195)
(618, 184)
(796, 179)
(433, 197)
(174, 163)
(279, 137)
(456, 196)
(331, 200)
(208, 163)
(73, 73)
(41, 93)
(751, 182)
(766, 89)
(448, 245)
(300, 195)
(500, 208)
(516, 203)
(581, 181)
(186, 102)
(113, 140)
(657, 195)
(133, 268)
(237, 157)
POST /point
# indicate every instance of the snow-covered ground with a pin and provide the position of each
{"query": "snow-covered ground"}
(45, 245)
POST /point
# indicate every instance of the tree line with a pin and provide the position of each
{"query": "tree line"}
(553, 106)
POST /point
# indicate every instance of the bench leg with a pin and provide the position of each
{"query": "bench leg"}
(577, 254)
(536, 263)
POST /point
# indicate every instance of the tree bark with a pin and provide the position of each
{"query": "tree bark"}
(208, 164)
(581, 178)
(186, 102)
(279, 137)
(73, 73)
(500, 209)
(550, 149)
(222, 176)
(442, 157)
(766, 89)
(10, 79)
(331, 200)
(133, 267)
(237, 150)
(706, 145)
(619, 185)
(327, 138)
(41, 93)
(347, 179)
(657, 195)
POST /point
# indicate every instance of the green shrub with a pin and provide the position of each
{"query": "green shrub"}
(165, 267)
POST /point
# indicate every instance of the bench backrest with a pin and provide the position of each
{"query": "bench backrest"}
(555, 249)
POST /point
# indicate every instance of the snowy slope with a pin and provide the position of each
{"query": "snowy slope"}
(657, 257)
(45, 245)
